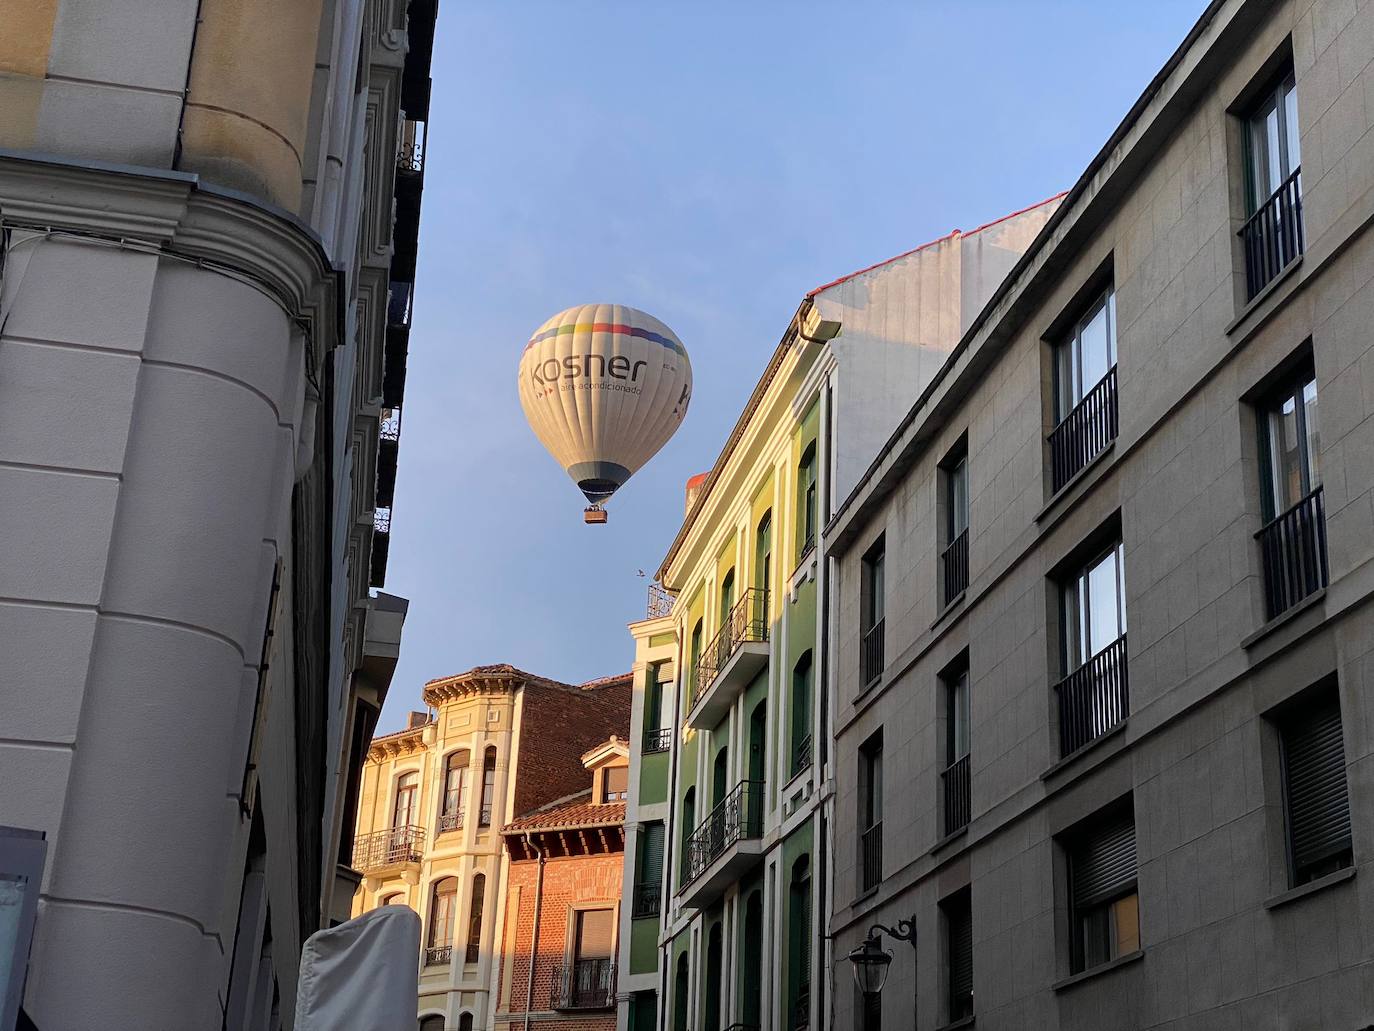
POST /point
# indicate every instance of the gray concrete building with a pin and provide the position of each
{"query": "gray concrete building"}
(1103, 608)
(208, 223)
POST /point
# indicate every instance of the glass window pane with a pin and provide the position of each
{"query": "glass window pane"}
(1104, 617)
(1096, 350)
(1284, 445)
(1290, 118)
(1126, 924)
(1313, 442)
(958, 499)
(959, 718)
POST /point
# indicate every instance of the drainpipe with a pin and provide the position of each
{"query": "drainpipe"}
(534, 942)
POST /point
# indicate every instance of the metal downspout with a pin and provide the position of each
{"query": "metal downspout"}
(534, 942)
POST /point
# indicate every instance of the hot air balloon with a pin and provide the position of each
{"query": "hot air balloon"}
(604, 386)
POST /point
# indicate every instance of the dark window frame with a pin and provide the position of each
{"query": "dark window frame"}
(1292, 719)
(1101, 862)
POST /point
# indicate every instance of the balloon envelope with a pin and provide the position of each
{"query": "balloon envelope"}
(604, 386)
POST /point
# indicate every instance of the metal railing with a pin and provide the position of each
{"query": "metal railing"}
(390, 426)
(584, 984)
(871, 857)
(451, 821)
(957, 802)
(801, 1015)
(801, 755)
(1293, 554)
(388, 847)
(647, 901)
(660, 601)
(1094, 698)
(381, 519)
(438, 955)
(659, 740)
(954, 565)
(410, 151)
(1273, 236)
(746, 623)
(738, 816)
(1083, 434)
(871, 655)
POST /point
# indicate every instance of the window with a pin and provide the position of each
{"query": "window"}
(689, 824)
(1085, 405)
(1104, 906)
(465, 1022)
(799, 942)
(442, 908)
(455, 778)
(695, 653)
(1272, 236)
(801, 713)
(763, 552)
(1093, 695)
(479, 891)
(871, 813)
(407, 786)
(681, 984)
(958, 912)
(488, 788)
(615, 784)
(1316, 803)
(1293, 538)
(956, 775)
(954, 558)
(727, 600)
(592, 966)
(648, 890)
(871, 611)
(806, 500)
(432, 1024)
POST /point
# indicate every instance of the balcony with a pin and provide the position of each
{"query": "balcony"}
(954, 568)
(871, 858)
(660, 602)
(1272, 237)
(871, 655)
(1093, 698)
(647, 902)
(731, 660)
(957, 808)
(438, 955)
(1085, 432)
(584, 984)
(1293, 554)
(410, 151)
(659, 740)
(726, 844)
(383, 850)
(450, 822)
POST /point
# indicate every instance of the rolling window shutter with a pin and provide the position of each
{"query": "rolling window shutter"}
(651, 854)
(1318, 806)
(1104, 863)
(960, 952)
(594, 934)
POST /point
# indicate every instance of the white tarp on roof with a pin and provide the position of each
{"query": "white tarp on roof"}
(360, 976)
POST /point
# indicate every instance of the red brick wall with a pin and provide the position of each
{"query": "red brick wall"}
(591, 882)
(558, 726)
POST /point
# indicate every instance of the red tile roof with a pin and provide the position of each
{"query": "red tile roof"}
(579, 813)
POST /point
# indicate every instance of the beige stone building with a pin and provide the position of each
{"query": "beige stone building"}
(208, 239)
(1103, 610)
(496, 743)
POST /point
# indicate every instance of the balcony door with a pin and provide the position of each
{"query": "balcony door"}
(403, 813)
(1271, 138)
(1094, 609)
(592, 957)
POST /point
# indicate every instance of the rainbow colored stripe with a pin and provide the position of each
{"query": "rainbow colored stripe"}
(608, 327)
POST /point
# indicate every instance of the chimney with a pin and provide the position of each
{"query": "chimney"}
(417, 719)
(694, 486)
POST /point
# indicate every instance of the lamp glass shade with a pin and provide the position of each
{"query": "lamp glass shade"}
(871, 964)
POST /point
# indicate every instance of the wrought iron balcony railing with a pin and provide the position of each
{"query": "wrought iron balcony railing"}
(801, 755)
(660, 601)
(871, 858)
(410, 151)
(1094, 698)
(1273, 236)
(871, 654)
(738, 816)
(954, 565)
(1293, 553)
(1085, 432)
(957, 807)
(659, 740)
(390, 426)
(388, 847)
(746, 623)
(584, 984)
(451, 821)
(438, 955)
(648, 901)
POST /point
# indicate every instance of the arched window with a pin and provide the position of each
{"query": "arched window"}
(727, 598)
(680, 983)
(801, 713)
(689, 821)
(442, 907)
(407, 788)
(431, 1024)
(479, 891)
(455, 790)
(488, 787)
(396, 898)
(763, 552)
(695, 654)
(799, 943)
(465, 1022)
(806, 499)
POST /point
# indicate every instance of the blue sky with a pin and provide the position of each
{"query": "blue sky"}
(709, 166)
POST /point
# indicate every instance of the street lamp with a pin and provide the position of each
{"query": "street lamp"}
(871, 961)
